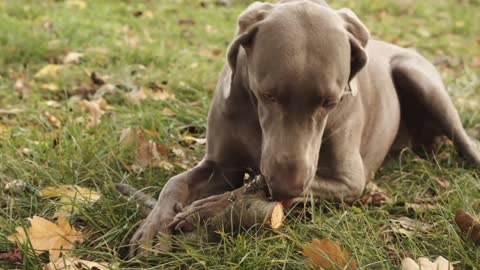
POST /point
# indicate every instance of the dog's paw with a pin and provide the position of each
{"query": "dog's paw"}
(143, 241)
(199, 212)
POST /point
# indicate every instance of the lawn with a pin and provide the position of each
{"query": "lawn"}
(157, 63)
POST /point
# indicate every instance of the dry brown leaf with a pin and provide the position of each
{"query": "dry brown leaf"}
(48, 71)
(72, 263)
(162, 95)
(374, 195)
(96, 110)
(148, 153)
(97, 79)
(22, 87)
(13, 255)
(408, 227)
(45, 235)
(421, 207)
(71, 197)
(130, 37)
(137, 95)
(52, 120)
(443, 184)
(469, 225)
(425, 264)
(327, 253)
(140, 94)
(72, 58)
(476, 61)
(186, 22)
(210, 53)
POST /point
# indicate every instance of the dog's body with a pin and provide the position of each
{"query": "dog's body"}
(300, 104)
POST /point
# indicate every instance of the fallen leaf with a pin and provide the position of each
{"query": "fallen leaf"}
(210, 53)
(327, 253)
(162, 95)
(443, 184)
(168, 112)
(13, 255)
(425, 264)
(45, 235)
(186, 22)
(72, 58)
(189, 140)
(130, 37)
(10, 111)
(374, 195)
(96, 110)
(178, 152)
(50, 70)
(52, 120)
(97, 79)
(15, 186)
(78, 4)
(422, 207)
(22, 87)
(71, 197)
(53, 103)
(408, 227)
(476, 61)
(210, 29)
(468, 225)
(148, 153)
(72, 263)
(49, 86)
(136, 95)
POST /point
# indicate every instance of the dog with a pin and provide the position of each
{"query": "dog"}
(311, 102)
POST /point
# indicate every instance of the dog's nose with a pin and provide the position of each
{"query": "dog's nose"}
(286, 179)
(282, 189)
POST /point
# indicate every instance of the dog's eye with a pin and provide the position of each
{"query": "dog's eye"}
(268, 97)
(329, 104)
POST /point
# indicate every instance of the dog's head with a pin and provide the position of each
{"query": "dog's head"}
(300, 59)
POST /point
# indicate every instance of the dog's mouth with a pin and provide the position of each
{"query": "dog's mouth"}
(261, 180)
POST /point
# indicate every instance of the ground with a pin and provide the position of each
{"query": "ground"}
(178, 47)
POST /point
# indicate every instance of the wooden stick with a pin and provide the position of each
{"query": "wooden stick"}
(245, 212)
(147, 203)
(249, 207)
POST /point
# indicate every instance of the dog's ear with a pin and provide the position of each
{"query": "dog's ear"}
(246, 29)
(358, 35)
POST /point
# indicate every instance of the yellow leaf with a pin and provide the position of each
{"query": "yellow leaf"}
(327, 253)
(45, 235)
(188, 139)
(78, 4)
(49, 86)
(168, 112)
(72, 58)
(50, 70)
(73, 263)
(71, 197)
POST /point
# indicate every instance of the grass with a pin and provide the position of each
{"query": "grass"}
(182, 44)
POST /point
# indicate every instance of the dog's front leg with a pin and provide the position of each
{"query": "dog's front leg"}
(341, 173)
(203, 180)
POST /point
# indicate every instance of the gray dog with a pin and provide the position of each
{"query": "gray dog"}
(314, 105)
